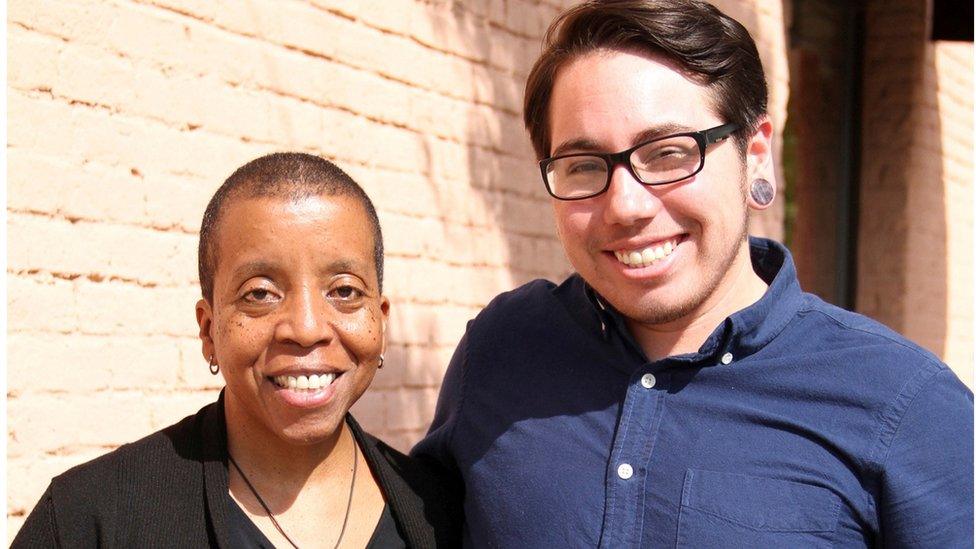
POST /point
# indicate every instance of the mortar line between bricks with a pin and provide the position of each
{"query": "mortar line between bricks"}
(435, 182)
(289, 96)
(38, 93)
(543, 236)
(31, 273)
(167, 71)
(315, 54)
(177, 229)
(417, 40)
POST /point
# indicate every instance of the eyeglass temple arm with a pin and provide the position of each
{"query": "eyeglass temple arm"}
(720, 133)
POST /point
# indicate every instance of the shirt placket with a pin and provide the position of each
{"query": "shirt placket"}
(633, 446)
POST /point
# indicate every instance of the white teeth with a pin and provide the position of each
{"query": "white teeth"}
(646, 256)
(311, 382)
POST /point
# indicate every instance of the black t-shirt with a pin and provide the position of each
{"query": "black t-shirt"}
(244, 533)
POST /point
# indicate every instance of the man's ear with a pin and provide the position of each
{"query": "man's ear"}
(760, 175)
(205, 322)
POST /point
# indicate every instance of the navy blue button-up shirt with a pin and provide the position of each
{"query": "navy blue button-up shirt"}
(797, 424)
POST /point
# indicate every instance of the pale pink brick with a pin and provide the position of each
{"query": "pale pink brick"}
(113, 307)
(169, 407)
(410, 408)
(83, 364)
(370, 411)
(32, 59)
(84, 420)
(28, 296)
(41, 181)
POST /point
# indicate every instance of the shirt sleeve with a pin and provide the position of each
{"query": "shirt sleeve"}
(927, 495)
(437, 445)
(39, 529)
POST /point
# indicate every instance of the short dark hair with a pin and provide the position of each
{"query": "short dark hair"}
(711, 46)
(286, 175)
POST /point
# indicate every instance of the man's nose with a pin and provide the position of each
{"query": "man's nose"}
(306, 320)
(628, 201)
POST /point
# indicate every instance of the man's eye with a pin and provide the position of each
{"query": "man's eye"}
(586, 166)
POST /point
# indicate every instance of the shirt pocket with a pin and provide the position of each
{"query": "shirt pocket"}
(731, 510)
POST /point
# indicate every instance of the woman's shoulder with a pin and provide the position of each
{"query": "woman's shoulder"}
(98, 499)
(177, 444)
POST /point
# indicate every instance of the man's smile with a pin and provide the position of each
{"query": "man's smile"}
(645, 256)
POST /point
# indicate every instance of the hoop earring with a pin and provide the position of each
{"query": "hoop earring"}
(214, 367)
(762, 191)
(380, 365)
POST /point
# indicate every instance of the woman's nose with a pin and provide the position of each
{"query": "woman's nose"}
(628, 201)
(306, 319)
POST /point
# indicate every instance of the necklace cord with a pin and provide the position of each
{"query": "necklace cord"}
(345, 520)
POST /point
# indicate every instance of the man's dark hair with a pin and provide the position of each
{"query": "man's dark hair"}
(292, 176)
(710, 46)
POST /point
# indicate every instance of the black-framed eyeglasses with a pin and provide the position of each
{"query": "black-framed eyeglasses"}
(659, 161)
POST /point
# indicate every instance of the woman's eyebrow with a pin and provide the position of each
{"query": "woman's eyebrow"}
(251, 268)
(345, 265)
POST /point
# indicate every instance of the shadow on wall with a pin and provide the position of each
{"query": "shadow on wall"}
(493, 216)
(902, 269)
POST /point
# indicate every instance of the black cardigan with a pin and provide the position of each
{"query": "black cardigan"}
(169, 490)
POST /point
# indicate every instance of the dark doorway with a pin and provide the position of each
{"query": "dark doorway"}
(821, 146)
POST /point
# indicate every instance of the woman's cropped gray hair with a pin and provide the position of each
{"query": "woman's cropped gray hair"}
(286, 175)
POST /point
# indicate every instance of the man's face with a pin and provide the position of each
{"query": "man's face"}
(608, 101)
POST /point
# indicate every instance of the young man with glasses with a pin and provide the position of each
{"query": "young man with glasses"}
(681, 389)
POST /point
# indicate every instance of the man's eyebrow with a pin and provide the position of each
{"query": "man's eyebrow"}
(582, 144)
(663, 130)
(588, 145)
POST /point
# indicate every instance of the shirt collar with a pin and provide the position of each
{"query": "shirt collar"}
(744, 332)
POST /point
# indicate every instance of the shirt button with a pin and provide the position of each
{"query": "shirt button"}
(727, 358)
(625, 471)
(648, 380)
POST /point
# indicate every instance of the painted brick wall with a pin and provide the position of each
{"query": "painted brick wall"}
(915, 260)
(125, 115)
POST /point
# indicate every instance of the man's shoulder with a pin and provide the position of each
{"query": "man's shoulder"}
(842, 330)
(532, 295)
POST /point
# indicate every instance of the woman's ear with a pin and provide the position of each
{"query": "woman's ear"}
(760, 176)
(385, 311)
(205, 322)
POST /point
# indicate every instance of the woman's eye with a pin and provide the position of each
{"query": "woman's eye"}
(258, 295)
(347, 293)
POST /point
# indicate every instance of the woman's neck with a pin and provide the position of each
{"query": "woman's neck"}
(284, 468)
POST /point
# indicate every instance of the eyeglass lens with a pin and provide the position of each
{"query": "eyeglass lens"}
(662, 161)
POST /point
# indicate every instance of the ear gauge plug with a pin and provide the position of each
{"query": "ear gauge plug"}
(762, 191)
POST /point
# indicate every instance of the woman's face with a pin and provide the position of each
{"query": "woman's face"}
(297, 320)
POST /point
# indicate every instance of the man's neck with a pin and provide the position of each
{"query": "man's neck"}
(740, 289)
